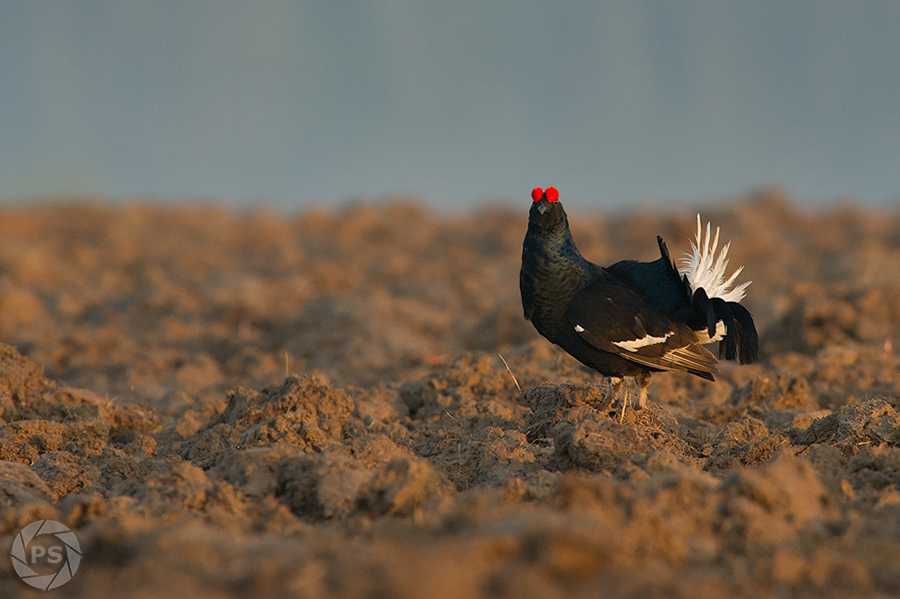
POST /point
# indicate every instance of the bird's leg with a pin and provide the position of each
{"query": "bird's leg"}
(615, 383)
(643, 381)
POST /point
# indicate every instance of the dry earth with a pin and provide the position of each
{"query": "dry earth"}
(225, 404)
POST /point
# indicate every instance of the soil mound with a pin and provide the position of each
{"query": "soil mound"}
(225, 404)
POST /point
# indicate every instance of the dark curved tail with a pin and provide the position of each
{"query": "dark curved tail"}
(741, 340)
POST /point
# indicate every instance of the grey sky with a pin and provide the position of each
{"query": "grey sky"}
(614, 103)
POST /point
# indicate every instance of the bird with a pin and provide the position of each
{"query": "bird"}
(631, 319)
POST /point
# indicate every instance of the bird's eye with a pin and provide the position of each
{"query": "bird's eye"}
(552, 194)
(536, 194)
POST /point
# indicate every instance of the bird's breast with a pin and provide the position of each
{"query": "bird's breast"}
(548, 282)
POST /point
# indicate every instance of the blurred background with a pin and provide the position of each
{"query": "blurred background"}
(291, 103)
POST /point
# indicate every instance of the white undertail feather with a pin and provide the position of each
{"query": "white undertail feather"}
(704, 269)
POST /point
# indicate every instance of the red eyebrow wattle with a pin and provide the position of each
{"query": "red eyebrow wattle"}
(536, 194)
(552, 194)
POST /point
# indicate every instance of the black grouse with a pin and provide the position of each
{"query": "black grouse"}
(632, 318)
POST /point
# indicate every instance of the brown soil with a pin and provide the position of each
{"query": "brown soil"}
(226, 404)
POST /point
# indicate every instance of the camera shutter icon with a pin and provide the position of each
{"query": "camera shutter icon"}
(28, 547)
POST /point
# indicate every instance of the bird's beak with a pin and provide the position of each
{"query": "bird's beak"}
(543, 207)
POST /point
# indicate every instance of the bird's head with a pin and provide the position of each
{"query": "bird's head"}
(546, 210)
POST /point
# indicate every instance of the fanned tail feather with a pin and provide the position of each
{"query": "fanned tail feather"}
(704, 269)
(716, 298)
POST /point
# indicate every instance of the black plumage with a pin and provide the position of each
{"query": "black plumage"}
(631, 318)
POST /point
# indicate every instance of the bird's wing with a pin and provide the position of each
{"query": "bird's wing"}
(618, 320)
(658, 281)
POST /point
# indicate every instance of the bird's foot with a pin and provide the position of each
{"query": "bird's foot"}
(643, 381)
(615, 383)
